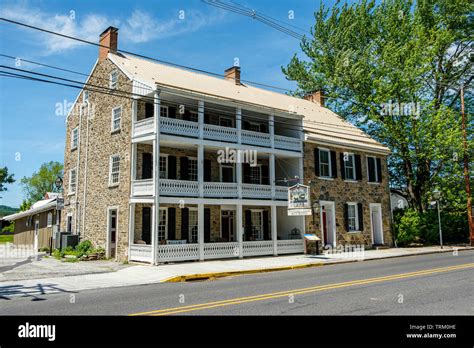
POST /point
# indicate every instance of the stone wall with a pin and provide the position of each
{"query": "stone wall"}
(341, 191)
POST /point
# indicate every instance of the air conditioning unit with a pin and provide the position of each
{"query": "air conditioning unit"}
(69, 240)
(58, 237)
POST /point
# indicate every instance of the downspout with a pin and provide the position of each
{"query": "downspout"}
(77, 174)
(85, 171)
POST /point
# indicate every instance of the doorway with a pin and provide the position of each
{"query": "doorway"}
(328, 223)
(227, 226)
(376, 223)
(112, 232)
(36, 246)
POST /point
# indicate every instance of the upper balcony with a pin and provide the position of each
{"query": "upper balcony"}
(219, 123)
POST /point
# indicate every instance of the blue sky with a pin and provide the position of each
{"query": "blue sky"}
(207, 38)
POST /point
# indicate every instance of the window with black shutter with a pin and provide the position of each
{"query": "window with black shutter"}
(266, 230)
(149, 110)
(183, 168)
(246, 169)
(333, 164)
(207, 225)
(146, 225)
(263, 128)
(248, 225)
(346, 216)
(171, 112)
(371, 169)
(265, 175)
(360, 215)
(379, 170)
(343, 167)
(171, 223)
(207, 170)
(316, 161)
(185, 224)
(147, 165)
(358, 165)
(171, 167)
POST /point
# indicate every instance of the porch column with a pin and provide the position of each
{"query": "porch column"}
(133, 162)
(271, 163)
(156, 176)
(238, 124)
(131, 229)
(201, 230)
(240, 231)
(200, 170)
(274, 226)
(201, 118)
(134, 114)
(271, 128)
(238, 172)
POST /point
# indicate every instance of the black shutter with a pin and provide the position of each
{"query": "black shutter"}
(333, 164)
(248, 225)
(263, 127)
(183, 168)
(207, 225)
(316, 161)
(358, 167)
(360, 212)
(171, 223)
(246, 125)
(146, 225)
(379, 170)
(147, 164)
(266, 231)
(149, 110)
(207, 170)
(343, 166)
(185, 224)
(171, 112)
(371, 168)
(206, 118)
(346, 216)
(265, 176)
(171, 167)
(246, 168)
(186, 115)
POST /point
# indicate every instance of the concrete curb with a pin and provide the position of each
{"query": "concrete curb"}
(215, 275)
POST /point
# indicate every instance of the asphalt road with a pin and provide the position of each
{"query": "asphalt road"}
(433, 284)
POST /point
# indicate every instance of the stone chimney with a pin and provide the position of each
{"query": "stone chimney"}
(316, 97)
(108, 38)
(233, 73)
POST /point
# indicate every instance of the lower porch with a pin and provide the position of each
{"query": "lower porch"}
(206, 231)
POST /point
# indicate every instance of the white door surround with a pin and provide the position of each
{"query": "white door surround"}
(376, 223)
(112, 232)
(35, 245)
(329, 208)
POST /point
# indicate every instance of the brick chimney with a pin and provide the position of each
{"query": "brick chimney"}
(108, 38)
(316, 97)
(233, 73)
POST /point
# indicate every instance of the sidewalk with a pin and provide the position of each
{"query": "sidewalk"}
(146, 274)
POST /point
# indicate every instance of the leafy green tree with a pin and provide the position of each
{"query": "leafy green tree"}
(373, 60)
(42, 181)
(5, 178)
(25, 205)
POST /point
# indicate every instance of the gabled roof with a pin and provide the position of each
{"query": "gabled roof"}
(321, 124)
(37, 207)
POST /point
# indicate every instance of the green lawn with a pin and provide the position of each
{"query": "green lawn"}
(5, 238)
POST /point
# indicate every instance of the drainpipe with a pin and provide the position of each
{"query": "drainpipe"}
(77, 226)
(85, 172)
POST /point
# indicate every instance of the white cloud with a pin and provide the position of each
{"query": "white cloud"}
(139, 27)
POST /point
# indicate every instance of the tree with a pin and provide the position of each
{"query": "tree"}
(5, 178)
(394, 69)
(41, 182)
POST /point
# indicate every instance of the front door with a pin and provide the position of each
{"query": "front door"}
(36, 246)
(328, 227)
(112, 232)
(376, 223)
(227, 225)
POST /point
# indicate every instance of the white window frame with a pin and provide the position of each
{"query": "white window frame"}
(84, 94)
(197, 169)
(259, 166)
(251, 123)
(260, 233)
(166, 224)
(113, 79)
(70, 192)
(329, 164)
(354, 174)
(194, 114)
(356, 212)
(111, 161)
(49, 219)
(164, 107)
(112, 123)
(165, 155)
(227, 166)
(375, 167)
(190, 232)
(75, 144)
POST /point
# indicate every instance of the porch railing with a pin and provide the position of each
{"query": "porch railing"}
(172, 187)
(221, 250)
(141, 252)
(145, 126)
(287, 143)
(256, 138)
(281, 192)
(220, 189)
(179, 127)
(177, 252)
(264, 247)
(220, 133)
(143, 187)
(291, 246)
(256, 191)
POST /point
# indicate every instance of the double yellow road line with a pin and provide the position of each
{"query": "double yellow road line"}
(247, 299)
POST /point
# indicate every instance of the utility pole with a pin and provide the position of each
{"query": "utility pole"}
(466, 170)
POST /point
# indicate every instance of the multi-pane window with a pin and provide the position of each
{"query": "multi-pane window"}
(163, 167)
(193, 116)
(50, 220)
(372, 174)
(255, 127)
(193, 225)
(192, 169)
(113, 79)
(114, 170)
(226, 122)
(85, 97)
(162, 225)
(349, 166)
(324, 163)
(256, 174)
(74, 138)
(72, 180)
(257, 225)
(116, 118)
(353, 221)
(164, 112)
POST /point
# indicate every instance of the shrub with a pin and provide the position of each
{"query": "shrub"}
(84, 247)
(407, 226)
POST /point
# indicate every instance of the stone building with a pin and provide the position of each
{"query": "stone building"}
(167, 164)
